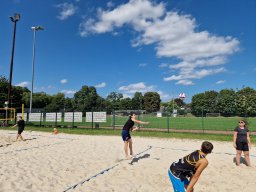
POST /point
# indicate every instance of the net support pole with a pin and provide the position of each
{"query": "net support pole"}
(22, 111)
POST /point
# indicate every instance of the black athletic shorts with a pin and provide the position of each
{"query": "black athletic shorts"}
(126, 135)
(242, 146)
(20, 131)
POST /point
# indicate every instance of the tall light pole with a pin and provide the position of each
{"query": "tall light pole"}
(14, 19)
(37, 28)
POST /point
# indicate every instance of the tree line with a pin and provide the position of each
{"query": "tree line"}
(227, 102)
(84, 100)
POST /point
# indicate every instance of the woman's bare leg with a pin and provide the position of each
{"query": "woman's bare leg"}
(126, 143)
(130, 146)
(238, 157)
(247, 158)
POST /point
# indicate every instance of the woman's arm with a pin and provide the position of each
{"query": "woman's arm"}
(249, 139)
(139, 122)
(134, 128)
(234, 140)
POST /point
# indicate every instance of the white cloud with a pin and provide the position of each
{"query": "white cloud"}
(174, 34)
(45, 88)
(163, 65)
(130, 89)
(137, 87)
(23, 84)
(138, 13)
(101, 85)
(110, 4)
(143, 65)
(189, 73)
(68, 92)
(220, 81)
(66, 10)
(127, 96)
(63, 81)
(164, 96)
(185, 82)
(199, 63)
(40, 88)
(51, 87)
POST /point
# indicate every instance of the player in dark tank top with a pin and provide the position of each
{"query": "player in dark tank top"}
(21, 126)
(185, 172)
(129, 126)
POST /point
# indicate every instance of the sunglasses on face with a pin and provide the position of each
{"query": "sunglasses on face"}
(241, 122)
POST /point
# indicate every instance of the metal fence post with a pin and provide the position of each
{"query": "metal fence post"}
(92, 119)
(114, 119)
(40, 124)
(203, 120)
(168, 122)
(73, 119)
(55, 120)
(139, 120)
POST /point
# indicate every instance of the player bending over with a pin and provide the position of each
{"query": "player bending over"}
(186, 171)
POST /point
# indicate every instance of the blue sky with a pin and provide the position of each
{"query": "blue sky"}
(125, 46)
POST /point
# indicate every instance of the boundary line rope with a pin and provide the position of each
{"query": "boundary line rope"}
(102, 172)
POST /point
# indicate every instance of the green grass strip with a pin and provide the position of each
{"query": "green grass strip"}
(155, 134)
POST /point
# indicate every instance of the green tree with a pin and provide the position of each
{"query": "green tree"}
(203, 103)
(68, 105)
(152, 101)
(170, 106)
(39, 100)
(211, 102)
(57, 103)
(126, 104)
(246, 102)
(198, 104)
(226, 102)
(101, 105)
(86, 99)
(138, 101)
(179, 102)
(3, 90)
(17, 97)
(113, 101)
(114, 96)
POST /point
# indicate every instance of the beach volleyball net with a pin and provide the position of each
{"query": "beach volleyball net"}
(119, 117)
(7, 114)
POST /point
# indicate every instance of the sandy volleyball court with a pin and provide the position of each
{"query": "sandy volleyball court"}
(55, 163)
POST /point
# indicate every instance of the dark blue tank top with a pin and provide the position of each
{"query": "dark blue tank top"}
(128, 125)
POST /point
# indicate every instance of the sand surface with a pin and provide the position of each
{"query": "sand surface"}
(55, 163)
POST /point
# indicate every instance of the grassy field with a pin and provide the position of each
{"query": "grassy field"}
(184, 123)
(193, 123)
(156, 134)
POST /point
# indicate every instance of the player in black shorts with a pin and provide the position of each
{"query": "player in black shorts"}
(21, 126)
(242, 142)
(128, 126)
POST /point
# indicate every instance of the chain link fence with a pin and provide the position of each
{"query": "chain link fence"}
(163, 121)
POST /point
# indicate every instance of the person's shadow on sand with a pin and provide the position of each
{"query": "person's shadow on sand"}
(136, 159)
(5, 145)
(30, 139)
(242, 160)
